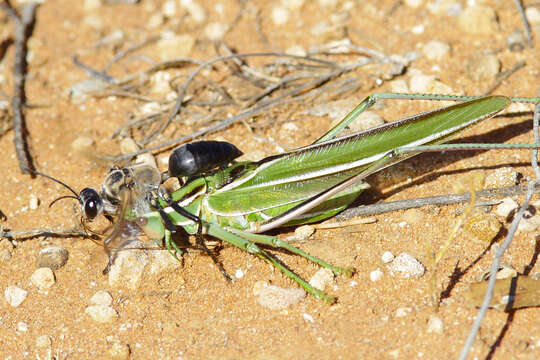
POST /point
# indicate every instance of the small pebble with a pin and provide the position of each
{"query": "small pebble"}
(516, 41)
(128, 268)
(169, 8)
(403, 311)
(387, 257)
(436, 50)
(155, 21)
(90, 5)
(160, 83)
(128, 145)
(366, 120)
(418, 29)
(101, 297)
(296, 50)
(22, 326)
(478, 20)
(328, 3)
(195, 10)
(304, 232)
(82, 143)
(239, 274)
(505, 271)
(52, 256)
(215, 31)
(426, 84)
(5, 250)
(101, 313)
(502, 177)
(414, 3)
(506, 208)
(482, 66)
(15, 295)
(280, 15)
(171, 46)
(482, 226)
(119, 351)
(376, 275)
(435, 325)
(322, 278)
(529, 224)
(43, 341)
(407, 266)
(293, 4)
(275, 297)
(533, 15)
(161, 262)
(399, 86)
(43, 278)
(444, 7)
(413, 216)
(308, 318)
(33, 203)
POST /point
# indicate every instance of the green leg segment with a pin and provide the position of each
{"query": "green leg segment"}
(239, 241)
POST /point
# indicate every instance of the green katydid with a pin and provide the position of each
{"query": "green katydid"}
(238, 202)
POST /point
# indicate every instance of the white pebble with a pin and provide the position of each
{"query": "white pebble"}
(296, 50)
(90, 5)
(308, 318)
(435, 325)
(478, 20)
(239, 274)
(506, 207)
(502, 177)
(275, 297)
(322, 278)
(304, 232)
(482, 66)
(43, 341)
(414, 3)
(418, 29)
(436, 50)
(529, 224)
(82, 143)
(280, 15)
(375, 275)
(33, 203)
(169, 8)
(293, 4)
(195, 10)
(399, 86)
(387, 257)
(128, 268)
(403, 311)
(171, 46)
(15, 295)
(22, 326)
(407, 266)
(367, 120)
(216, 30)
(52, 256)
(43, 278)
(101, 297)
(155, 21)
(101, 313)
(119, 351)
(533, 15)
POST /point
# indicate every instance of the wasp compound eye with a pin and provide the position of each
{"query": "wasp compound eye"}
(91, 203)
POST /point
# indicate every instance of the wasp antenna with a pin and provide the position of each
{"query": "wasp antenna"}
(65, 197)
(57, 181)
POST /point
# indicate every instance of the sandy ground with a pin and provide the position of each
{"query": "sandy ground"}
(191, 312)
